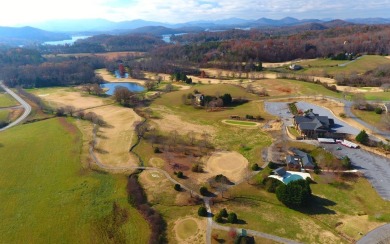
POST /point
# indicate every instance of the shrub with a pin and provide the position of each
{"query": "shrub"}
(362, 137)
(232, 218)
(177, 187)
(223, 213)
(378, 110)
(180, 175)
(346, 162)
(255, 167)
(156, 150)
(203, 191)
(342, 115)
(197, 168)
(202, 211)
(218, 218)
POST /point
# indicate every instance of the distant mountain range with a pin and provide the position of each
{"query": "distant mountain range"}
(101, 25)
(16, 36)
(63, 29)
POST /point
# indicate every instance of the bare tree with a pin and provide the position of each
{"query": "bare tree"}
(70, 110)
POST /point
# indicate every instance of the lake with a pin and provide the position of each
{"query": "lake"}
(134, 87)
(63, 42)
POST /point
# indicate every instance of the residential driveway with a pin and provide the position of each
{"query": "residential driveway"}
(374, 167)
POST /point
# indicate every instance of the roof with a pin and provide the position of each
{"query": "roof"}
(306, 159)
(292, 160)
(312, 121)
(280, 171)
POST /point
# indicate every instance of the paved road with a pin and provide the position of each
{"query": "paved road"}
(379, 235)
(26, 106)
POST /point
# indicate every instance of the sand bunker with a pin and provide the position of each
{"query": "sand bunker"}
(231, 164)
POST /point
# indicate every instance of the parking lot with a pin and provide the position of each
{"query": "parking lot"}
(374, 167)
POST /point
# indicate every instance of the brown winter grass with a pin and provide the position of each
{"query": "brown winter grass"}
(165, 199)
(114, 139)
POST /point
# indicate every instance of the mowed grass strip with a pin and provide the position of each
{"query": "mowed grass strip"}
(48, 198)
(7, 100)
(244, 123)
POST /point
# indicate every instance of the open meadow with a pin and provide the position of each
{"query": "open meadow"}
(47, 196)
(360, 66)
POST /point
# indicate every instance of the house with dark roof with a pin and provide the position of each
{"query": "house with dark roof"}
(312, 125)
(281, 171)
(299, 160)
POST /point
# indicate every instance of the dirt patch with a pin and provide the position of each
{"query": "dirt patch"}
(171, 122)
(68, 126)
(231, 164)
(193, 234)
(107, 76)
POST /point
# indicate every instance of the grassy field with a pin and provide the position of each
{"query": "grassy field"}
(285, 87)
(321, 62)
(7, 100)
(338, 206)
(4, 115)
(244, 123)
(247, 142)
(383, 96)
(48, 197)
(362, 65)
(114, 139)
(369, 117)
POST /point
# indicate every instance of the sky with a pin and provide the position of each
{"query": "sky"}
(25, 12)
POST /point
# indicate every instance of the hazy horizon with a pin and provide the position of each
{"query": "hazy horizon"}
(180, 11)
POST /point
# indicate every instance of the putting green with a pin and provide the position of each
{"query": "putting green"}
(186, 228)
(237, 122)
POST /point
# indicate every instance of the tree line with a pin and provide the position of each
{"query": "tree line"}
(63, 73)
(237, 46)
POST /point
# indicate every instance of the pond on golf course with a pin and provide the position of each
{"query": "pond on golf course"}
(110, 87)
